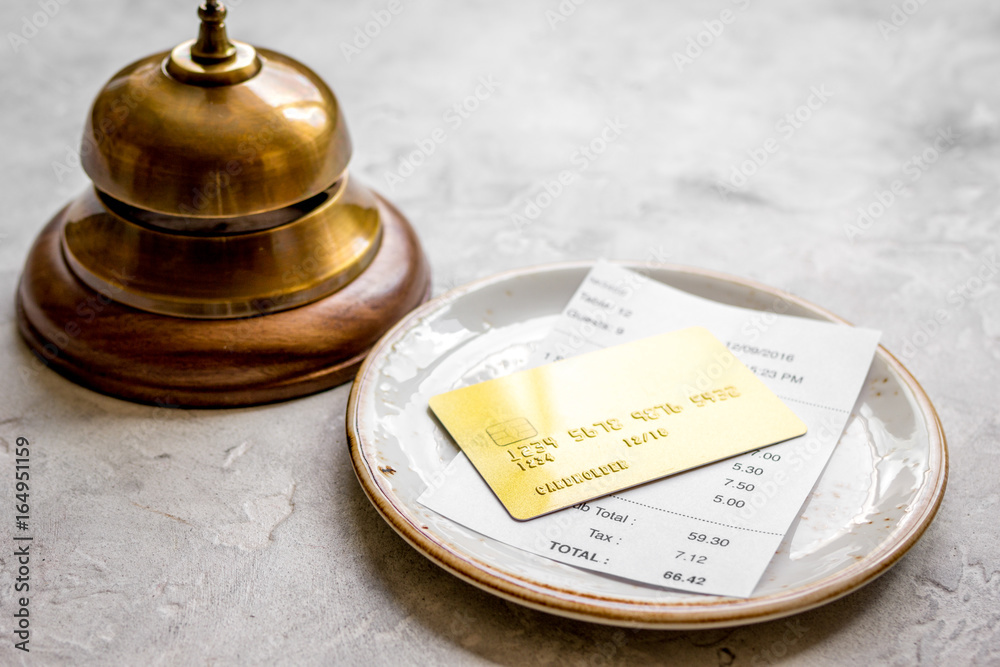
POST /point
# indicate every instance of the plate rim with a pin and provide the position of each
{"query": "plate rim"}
(610, 610)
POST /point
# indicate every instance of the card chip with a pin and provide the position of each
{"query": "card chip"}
(511, 431)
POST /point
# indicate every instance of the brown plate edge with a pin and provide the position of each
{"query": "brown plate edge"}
(713, 613)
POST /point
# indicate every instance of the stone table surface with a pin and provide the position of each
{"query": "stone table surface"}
(757, 138)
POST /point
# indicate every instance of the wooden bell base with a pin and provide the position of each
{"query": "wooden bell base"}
(149, 358)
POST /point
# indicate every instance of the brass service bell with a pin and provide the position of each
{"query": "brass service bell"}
(224, 255)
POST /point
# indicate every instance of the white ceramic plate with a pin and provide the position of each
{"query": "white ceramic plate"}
(879, 492)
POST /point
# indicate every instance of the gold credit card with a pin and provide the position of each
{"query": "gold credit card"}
(553, 436)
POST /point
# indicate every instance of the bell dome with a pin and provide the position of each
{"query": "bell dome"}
(215, 129)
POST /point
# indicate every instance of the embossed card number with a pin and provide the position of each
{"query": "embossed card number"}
(553, 436)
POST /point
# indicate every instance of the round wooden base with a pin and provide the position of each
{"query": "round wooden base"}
(95, 341)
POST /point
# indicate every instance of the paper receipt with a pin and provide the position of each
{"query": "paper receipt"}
(709, 530)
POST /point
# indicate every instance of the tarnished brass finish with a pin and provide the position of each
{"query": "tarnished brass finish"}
(253, 132)
(235, 275)
(224, 255)
(212, 60)
(183, 66)
(213, 45)
(221, 151)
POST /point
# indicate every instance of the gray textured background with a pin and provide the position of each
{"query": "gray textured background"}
(242, 536)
